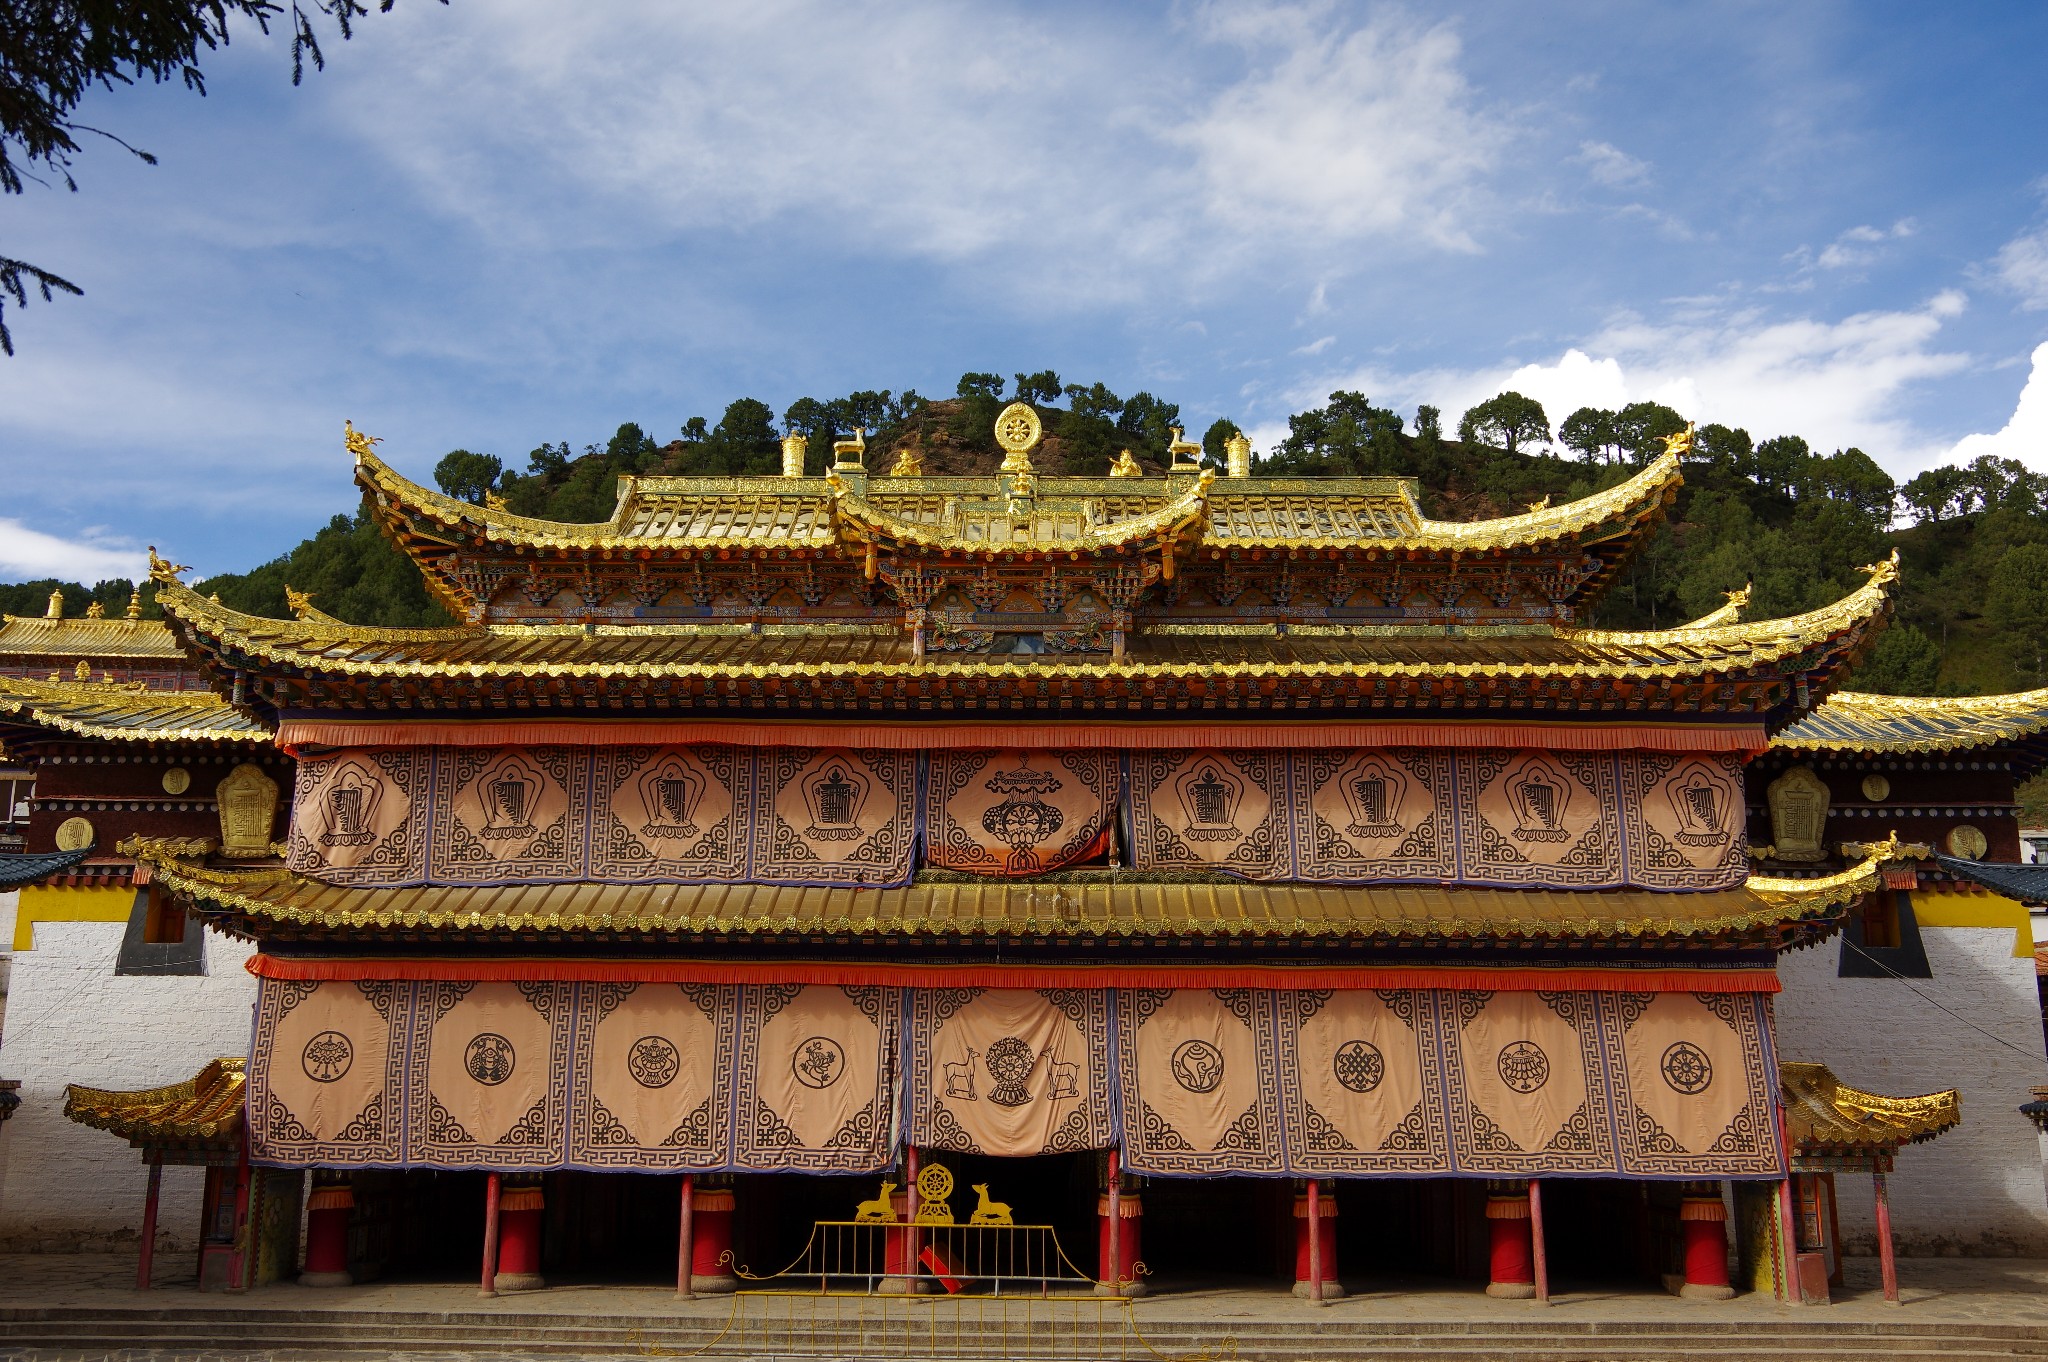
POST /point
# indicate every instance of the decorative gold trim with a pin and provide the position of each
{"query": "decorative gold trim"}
(96, 709)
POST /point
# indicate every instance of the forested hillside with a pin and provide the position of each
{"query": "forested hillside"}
(1794, 521)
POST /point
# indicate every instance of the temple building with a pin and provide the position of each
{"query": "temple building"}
(110, 982)
(1931, 983)
(1215, 874)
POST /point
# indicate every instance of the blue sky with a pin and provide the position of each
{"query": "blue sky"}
(492, 225)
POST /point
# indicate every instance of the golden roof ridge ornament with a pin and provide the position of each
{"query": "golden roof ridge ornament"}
(1018, 431)
(55, 610)
(165, 573)
(1680, 444)
(1125, 466)
(359, 445)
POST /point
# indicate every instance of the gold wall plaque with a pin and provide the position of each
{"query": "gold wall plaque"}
(248, 806)
(177, 780)
(1967, 842)
(74, 834)
(1876, 788)
(1799, 814)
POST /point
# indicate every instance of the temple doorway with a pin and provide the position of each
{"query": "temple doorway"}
(1218, 1229)
(1391, 1228)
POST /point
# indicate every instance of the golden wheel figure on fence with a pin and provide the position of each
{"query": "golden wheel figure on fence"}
(934, 1187)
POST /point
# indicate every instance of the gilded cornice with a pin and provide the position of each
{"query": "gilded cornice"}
(1722, 614)
(1426, 912)
(123, 712)
(1790, 634)
(1824, 892)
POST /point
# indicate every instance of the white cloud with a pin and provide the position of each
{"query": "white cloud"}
(1316, 347)
(2022, 267)
(1342, 135)
(26, 554)
(1856, 247)
(2025, 436)
(1610, 165)
(1835, 383)
(930, 130)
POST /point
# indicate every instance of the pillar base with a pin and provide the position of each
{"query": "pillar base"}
(1701, 1291)
(326, 1279)
(905, 1286)
(1331, 1291)
(1511, 1291)
(520, 1281)
(1132, 1289)
(716, 1284)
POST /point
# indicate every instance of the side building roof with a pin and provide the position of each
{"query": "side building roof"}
(1855, 721)
(124, 712)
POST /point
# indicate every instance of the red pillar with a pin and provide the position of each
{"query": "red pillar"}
(711, 1254)
(1887, 1263)
(686, 1231)
(493, 1191)
(147, 1261)
(519, 1212)
(1538, 1255)
(328, 1210)
(899, 1251)
(1120, 1224)
(1703, 1220)
(1315, 1256)
(1511, 1257)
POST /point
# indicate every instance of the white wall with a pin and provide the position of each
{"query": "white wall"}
(1978, 1189)
(65, 1187)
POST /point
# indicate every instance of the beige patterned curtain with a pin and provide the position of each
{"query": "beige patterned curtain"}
(360, 817)
(816, 1080)
(1361, 814)
(1199, 1075)
(1691, 1074)
(1013, 1072)
(671, 813)
(651, 1077)
(834, 816)
(488, 1075)
(1527, 1091)
(1360, 1084)
(1209, 810)
(328, 1085)
(1017, 813)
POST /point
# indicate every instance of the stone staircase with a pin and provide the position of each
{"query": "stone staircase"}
(796, 1327)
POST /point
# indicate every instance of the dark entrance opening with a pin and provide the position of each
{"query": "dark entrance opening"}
(1218, 1230)
(1392, 1229)
(1610, 1232)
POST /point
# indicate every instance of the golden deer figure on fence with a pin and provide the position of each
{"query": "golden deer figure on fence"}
(988, 1212)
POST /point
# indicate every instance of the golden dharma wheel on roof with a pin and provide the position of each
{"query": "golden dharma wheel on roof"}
(1018, 431)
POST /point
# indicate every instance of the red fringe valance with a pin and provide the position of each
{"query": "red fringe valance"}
(1279, 977)
(293, 734)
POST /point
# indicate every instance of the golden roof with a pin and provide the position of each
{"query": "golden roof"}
(819, 652)
(1826, 1117)
(127, 712)
(1854, 721)
(206, 1108)
(83, 637)
(1130, 906)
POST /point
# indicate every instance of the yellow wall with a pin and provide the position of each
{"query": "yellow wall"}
(60, 903)
(1976, 910)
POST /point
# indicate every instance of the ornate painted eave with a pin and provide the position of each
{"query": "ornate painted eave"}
(204, 1110)
(1039, 526)
(1854, 721)
(118, 712)
(1826, 1118)
(267, 901)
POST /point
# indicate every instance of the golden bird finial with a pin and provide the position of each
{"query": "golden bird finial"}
(167, 573)
(1679, 445)
(1542, 505)
(495, 501)
(299, 602)
(360, 445)
(1884, 570)
(1740, 596)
